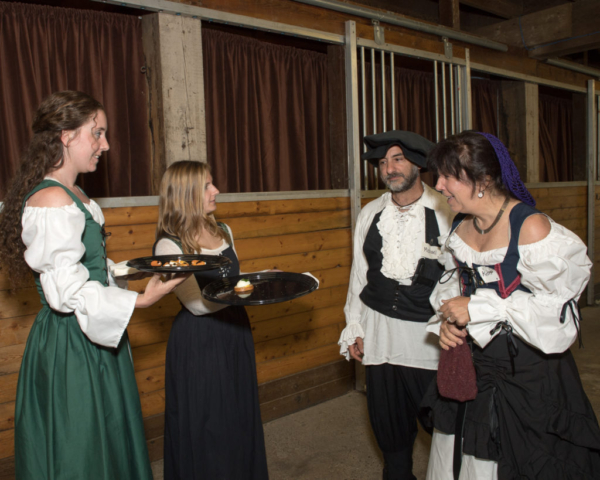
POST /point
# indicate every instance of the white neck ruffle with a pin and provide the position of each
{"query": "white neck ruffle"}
(400, 230)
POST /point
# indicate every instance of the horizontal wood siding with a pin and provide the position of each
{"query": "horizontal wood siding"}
(297, 356)
(298, 361)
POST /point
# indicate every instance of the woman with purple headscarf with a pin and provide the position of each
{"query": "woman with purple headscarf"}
(507, 303)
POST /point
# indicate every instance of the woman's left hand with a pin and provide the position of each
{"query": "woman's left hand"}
(456, 310)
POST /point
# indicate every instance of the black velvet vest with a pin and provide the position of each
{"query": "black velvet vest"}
(387, 296)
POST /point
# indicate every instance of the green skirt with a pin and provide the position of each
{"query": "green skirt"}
(78, 413)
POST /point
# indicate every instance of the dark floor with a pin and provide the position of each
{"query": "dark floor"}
(333, 440)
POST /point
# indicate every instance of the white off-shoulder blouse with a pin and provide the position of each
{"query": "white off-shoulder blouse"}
(556, 269)
(54, 250)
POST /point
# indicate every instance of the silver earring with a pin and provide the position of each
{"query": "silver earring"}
(480, 194)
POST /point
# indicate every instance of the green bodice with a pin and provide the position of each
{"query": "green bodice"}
(93, 238)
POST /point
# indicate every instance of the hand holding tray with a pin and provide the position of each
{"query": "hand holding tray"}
(269, 287)
(195, 263)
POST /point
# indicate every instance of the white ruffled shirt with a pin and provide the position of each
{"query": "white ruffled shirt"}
(54, 250)
(556, 269)
(389, 340)
(399, 228)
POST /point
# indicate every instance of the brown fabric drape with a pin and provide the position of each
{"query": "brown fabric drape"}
(556, 140)
(414, 106)
(48, 49)
(484, 103)
(267, 115)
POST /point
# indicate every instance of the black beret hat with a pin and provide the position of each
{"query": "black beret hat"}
(414, 146)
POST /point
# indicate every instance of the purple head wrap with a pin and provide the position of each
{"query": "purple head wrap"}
(510, 175)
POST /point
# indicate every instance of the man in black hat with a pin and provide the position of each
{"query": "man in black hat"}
(393, 273)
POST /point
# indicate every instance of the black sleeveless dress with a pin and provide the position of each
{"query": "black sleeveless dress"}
(213, 427)
(531, 414)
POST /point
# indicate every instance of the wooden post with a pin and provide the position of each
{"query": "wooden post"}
(449, 13)
(173, 48)
(578, 129)
(591, 137)
(521, 127)
(352, 125)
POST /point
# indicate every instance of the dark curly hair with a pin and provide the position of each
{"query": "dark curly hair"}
(67, 110)
(470, 157)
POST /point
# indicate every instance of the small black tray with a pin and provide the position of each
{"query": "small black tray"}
(212, 262)
(269, 287)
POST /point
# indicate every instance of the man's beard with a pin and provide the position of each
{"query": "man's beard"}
(406, 185)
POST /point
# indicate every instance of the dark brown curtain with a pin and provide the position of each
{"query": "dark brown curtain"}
(266, 115)
(48, 49)
(556, 140)
(414, 107)
(484, 104)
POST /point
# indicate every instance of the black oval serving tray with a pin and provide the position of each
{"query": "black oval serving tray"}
(269, 287)
(212, 262)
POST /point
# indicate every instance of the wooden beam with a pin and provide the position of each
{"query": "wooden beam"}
(501, 8)
(533, 29)
(566, 47)
(450, 13)
(559, 30)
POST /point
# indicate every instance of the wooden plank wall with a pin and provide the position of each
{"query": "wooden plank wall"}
(568, 206)
(298, 361)
(296, 342)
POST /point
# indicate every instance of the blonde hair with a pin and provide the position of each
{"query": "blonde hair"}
(181, 205)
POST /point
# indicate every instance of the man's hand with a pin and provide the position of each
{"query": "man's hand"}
(357, 350)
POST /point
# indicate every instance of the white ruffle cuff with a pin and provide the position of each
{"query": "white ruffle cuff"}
(348, 337)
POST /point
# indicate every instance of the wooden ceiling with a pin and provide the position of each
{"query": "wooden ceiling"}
(543, 29)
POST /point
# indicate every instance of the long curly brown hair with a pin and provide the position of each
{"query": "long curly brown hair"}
(67, 110)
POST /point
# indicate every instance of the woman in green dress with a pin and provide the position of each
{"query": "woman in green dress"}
(78, 413)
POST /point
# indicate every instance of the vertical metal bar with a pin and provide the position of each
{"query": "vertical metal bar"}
(352, 121)
(374, 100)
(383, 109)
(364, 115)
(467, 92)
(450, 74)
(437, 101)
(444, 113)
(459, 90)
(352, 127)
(393, 87)
(591, 176)
(373, 91)
(598, 138)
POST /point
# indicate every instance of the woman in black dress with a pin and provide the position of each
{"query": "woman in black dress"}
(508, 302)
(213, 428)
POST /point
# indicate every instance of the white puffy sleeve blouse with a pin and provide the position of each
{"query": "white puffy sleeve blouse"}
(54, 250)
(556, 270)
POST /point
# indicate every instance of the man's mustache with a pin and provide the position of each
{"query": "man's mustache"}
(396, 175)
